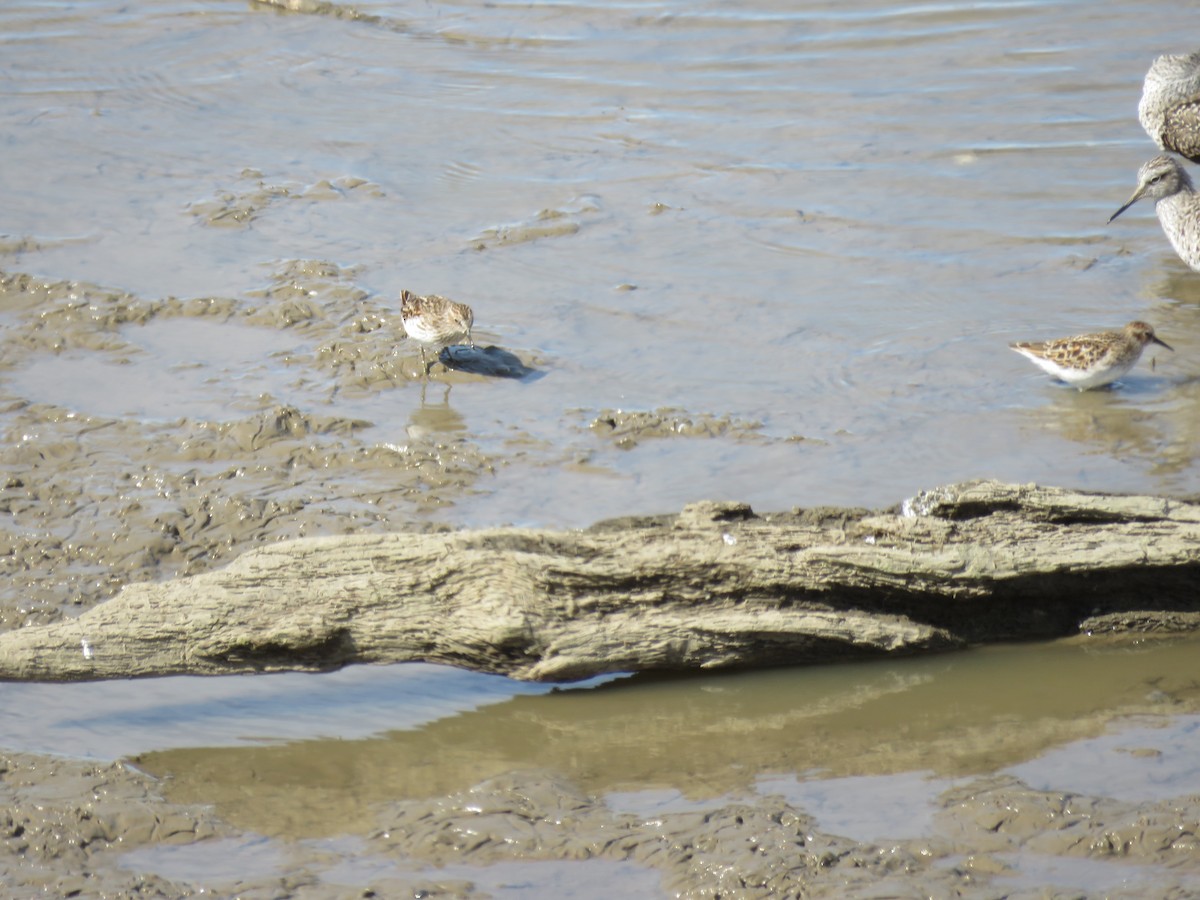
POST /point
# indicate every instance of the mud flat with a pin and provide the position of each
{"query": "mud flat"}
(83, 829)
(272, 539)
(136, 482)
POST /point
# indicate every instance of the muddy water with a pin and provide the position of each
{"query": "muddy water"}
(763, 253)
(633, 740)
(827, 220)
(322, 775)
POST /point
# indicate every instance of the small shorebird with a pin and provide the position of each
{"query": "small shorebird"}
(1176, 203)
(1170, 106)
(1091, 360)
(435, 321)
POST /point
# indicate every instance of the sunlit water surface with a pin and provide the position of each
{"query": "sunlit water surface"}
(828, 218)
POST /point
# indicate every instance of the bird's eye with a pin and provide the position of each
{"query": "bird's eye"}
(1156, 179)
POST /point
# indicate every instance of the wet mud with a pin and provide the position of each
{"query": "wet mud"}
(238, 207)
(881, 243)
(628, 428)
(95, 501)
(81, 829)
(65, 824)
(772, 849)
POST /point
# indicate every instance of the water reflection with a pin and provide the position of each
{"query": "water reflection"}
(629, 145)
(433, 418)
(1152, 415)
(1107, 418)
(706, 737)
(1175, 282)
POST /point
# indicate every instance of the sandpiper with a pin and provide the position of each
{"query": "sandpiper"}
(435, 321)
(1170, 106)
(1091, 360)
(1176, 203)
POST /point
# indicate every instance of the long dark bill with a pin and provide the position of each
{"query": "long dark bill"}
(1132, 200)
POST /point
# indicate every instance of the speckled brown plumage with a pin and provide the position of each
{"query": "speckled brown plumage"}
(435, 321)
(1170, 106)
(1091, 360)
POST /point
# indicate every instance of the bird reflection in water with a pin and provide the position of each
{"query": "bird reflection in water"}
(437, 417)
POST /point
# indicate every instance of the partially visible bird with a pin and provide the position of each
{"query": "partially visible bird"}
(436, 322)
(1170, 106)
(1091, 360)
(1176, 204)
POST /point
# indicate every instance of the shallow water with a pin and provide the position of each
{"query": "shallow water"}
(834, 217)
(306, 765)
(963, 714)
(824, 735)
(223, 865)
(827, 220)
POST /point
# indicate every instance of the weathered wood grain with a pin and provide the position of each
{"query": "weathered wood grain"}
(715, 586)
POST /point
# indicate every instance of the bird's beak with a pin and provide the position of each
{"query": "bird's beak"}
(1162, 343)
(1137, 195)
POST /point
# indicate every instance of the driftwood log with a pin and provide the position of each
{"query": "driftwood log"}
(715, 586)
